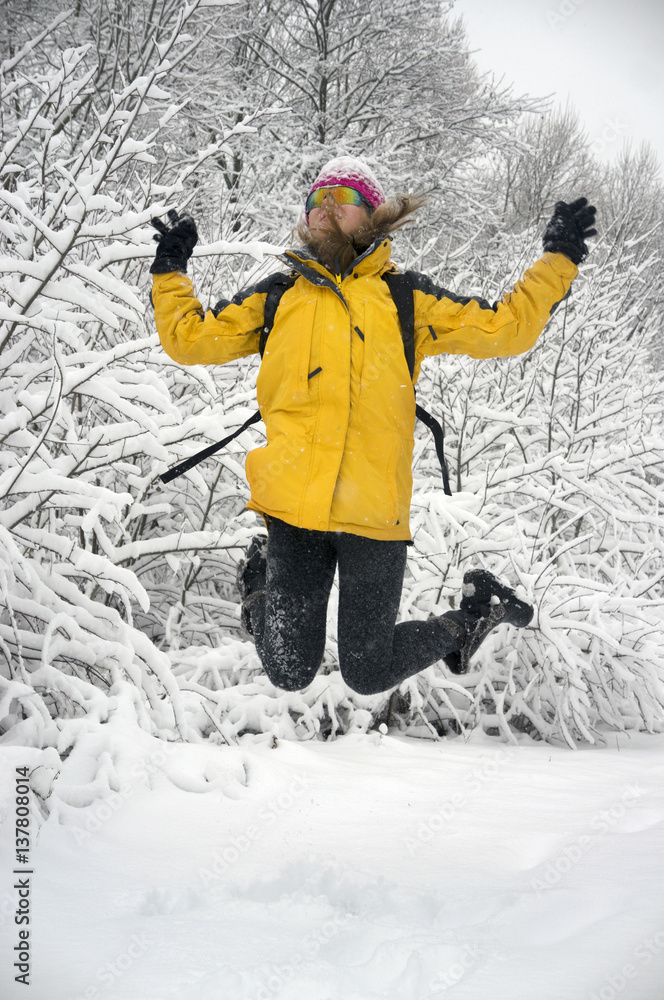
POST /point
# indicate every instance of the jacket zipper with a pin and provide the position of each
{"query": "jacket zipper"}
(315, 277)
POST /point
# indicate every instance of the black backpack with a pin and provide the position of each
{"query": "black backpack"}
(401, 289)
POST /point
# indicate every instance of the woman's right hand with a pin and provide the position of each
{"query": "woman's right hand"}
(177, 239)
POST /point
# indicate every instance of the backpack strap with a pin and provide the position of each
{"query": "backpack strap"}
(437, 431)
(402, 290)
(280, 283)
(189, 463)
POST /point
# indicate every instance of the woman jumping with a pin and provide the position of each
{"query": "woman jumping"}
(333, 482)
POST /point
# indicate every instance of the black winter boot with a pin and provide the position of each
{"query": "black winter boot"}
(251, 577)
(491, 604)
(482, 589)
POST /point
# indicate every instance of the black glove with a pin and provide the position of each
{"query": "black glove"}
(176, 240)
(569, 228)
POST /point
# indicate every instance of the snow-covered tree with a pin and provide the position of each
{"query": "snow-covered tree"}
(88, 417)
(392, 82)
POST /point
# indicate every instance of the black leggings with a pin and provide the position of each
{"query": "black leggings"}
(289, 622)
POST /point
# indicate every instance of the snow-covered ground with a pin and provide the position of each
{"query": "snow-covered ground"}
(369, 867)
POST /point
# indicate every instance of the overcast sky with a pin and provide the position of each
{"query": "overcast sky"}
(605, 56)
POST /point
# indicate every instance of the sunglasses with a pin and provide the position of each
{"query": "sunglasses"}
(342, 196)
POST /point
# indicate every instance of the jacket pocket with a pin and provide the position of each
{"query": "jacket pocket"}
(283, 382)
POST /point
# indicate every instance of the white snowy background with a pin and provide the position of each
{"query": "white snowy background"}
(195, 832)
(602, 56)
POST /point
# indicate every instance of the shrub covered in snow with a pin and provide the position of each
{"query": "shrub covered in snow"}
(90, 409)
(563, 452)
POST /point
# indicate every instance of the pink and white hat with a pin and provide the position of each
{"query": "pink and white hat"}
(346, 171)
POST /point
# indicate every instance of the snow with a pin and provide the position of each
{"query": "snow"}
(372, 866)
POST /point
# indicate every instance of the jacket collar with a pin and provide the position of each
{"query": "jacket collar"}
(374, 260)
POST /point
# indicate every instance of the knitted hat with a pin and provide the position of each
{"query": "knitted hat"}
(346, 171)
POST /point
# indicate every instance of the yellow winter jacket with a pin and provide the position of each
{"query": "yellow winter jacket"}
(334, 389)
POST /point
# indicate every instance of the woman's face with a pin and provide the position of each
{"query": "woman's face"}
(349, 217)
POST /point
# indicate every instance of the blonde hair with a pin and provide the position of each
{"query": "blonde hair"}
(337, 250)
